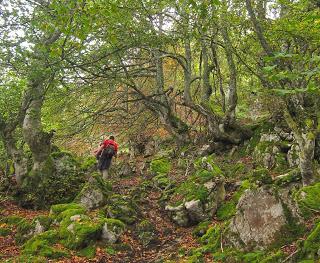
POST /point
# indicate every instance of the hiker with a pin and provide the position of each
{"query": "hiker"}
(106, 151)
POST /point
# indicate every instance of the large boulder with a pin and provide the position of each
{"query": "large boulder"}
(59, 181)
(121, 207)
(262, 218)
(95, 192)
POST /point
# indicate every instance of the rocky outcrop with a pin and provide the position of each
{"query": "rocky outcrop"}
(194, 211)
(262, 217)
(95, 192)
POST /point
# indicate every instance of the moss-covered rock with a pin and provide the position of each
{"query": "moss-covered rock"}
(261, 176)
(228, 209)
(58, 181)
(160, 166)
(42, 245)
(112, 230)
(121, 207)
(265, 218)
(55, 210)
(95, 192)
(197, 198)
(201, 229)
(80, 234)
(308, 199)
(26, 229)
(292, 176)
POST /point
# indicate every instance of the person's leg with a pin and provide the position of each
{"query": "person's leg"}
(105, 174)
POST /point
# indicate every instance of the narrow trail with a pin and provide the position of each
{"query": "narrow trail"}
(170, 238)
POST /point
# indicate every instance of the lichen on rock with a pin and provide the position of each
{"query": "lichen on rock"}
(261, 218)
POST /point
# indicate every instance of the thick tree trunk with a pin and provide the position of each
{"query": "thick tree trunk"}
(33, 134)
(306, 142)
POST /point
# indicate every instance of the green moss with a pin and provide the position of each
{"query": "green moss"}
(88, 163)
(232, 255)
(292, 176)
(66, 214)
(160, 166)
(12, 220)
(308, 199)
(192, 191)
(4, 231)
(110, 251)
(42, 245)
(212, 237)
(261, 175)
(201, 229)
(60, 154)
(57, 209)
(88, 252)
(114, 222)
(281, 163)
(277, 256)
(228, 209)
(78, 235)
(162, 181)
(122, 208)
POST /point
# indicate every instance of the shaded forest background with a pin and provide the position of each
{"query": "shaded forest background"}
(194, 77)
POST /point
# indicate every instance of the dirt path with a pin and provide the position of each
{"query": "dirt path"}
(171, 238)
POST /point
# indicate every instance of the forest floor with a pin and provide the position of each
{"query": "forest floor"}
(171, 238)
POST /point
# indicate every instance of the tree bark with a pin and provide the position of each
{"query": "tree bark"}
(20, 162)
(33, 134)
(230, 115)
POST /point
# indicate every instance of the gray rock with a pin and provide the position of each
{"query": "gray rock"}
(195, 210)
(111, 233)
(259, 220)
(75, 218)
(38, 229)
(92, 198)
(178, 214)
(268, 160)
(71, 228)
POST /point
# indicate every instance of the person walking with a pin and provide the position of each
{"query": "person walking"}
(104, 154)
